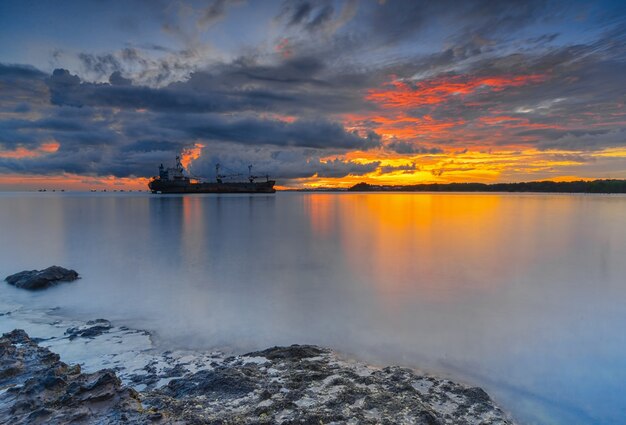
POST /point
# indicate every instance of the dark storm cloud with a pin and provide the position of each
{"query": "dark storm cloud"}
(298, 70)
(298, 12)
(584, 141)
(116, 79)
(62, 84)
(305, 133)
(22, 88)
(408, 168)
(293, 86)
(316, 17)
(401, 147)
(20, 72)
(338, 168)
(55, 124)
(87, 162)
(67, 90)
(151, 146)
(393, 21)
(283, 164)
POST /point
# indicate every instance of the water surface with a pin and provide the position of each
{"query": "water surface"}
(520, 294)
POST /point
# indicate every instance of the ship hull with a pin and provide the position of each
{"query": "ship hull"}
(157, 186)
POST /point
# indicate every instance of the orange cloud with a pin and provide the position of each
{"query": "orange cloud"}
(400, 94)
(189, 154)
(21, 152)
(411, 127)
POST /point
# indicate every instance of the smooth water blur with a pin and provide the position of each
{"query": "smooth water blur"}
(520, 294)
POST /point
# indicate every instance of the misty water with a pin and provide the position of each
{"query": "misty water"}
(521, 294)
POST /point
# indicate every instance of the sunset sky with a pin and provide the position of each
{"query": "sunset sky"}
(97, 94)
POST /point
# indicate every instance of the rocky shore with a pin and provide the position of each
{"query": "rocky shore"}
(300, 384)
(37, 388)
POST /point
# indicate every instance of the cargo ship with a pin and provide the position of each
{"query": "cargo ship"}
(174, 180)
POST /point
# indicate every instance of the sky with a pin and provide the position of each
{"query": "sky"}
(96, 94)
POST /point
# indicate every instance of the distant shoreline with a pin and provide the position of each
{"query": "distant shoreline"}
(580, 186)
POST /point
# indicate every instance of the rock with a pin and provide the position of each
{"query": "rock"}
(92, 329)
(294, 352)
(40, 389)
(41, 279)
(223, 382)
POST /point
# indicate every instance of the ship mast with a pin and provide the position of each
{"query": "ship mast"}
(218, 177)
(250, 176)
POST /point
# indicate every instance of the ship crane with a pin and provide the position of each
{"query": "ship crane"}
(250, 176)
(219, 176)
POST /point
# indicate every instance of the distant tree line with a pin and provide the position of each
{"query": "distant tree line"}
(594, 186)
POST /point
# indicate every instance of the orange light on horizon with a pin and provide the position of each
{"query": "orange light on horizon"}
(469, 166)
(67, 181)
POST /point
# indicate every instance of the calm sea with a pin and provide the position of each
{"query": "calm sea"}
(524, 295)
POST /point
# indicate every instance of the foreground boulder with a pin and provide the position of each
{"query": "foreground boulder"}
(41, 279)
(37, 388)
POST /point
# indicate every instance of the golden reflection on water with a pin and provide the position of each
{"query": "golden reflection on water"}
(193, 233)
(321, 209)
(403, 244)
(406, 239)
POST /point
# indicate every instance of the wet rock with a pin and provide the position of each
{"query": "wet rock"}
(476, 395)
(40, 389)
(41, 279)
(293, 352)
(91, 329)
(223, 382)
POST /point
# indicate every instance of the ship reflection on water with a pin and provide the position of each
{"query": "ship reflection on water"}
(521, 294)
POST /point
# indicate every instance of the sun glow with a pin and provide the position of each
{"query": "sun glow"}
(486, 166)
(72, 182)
